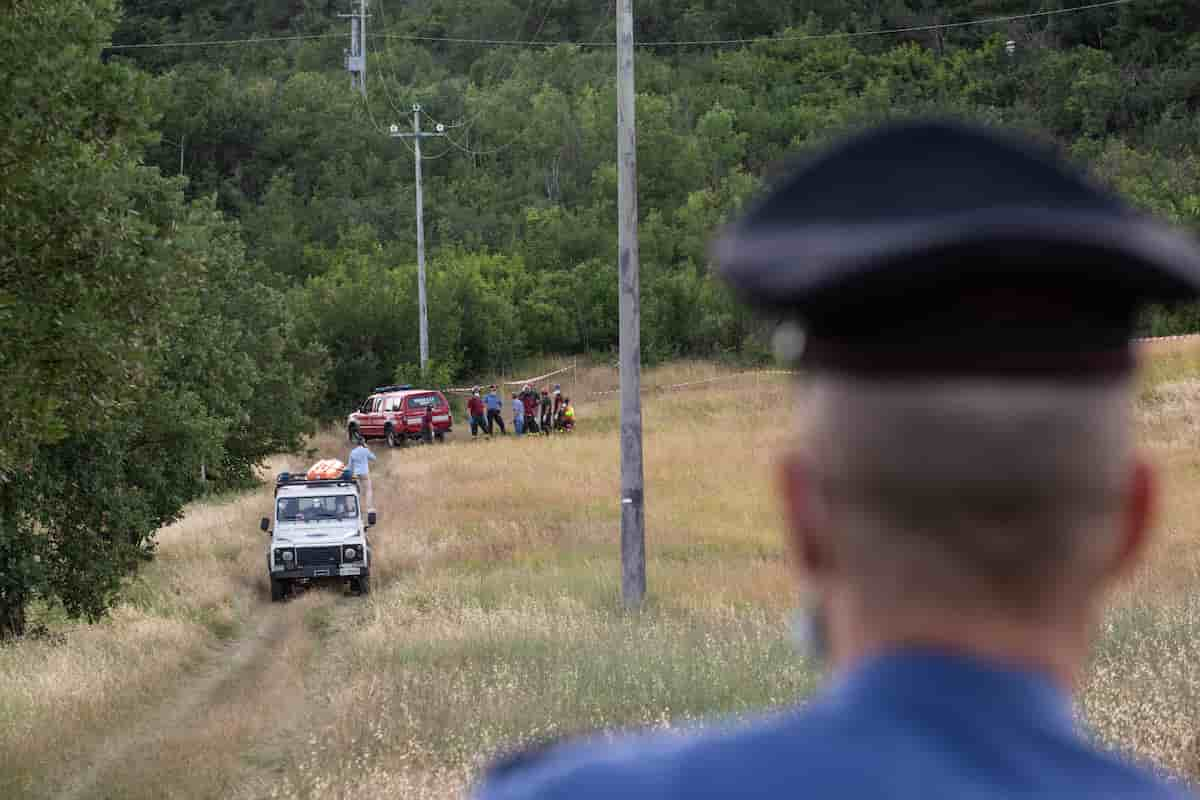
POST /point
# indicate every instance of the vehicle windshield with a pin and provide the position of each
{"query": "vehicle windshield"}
(423, 401)
(309, 509)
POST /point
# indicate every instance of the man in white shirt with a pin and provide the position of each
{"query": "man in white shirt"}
(360, 460)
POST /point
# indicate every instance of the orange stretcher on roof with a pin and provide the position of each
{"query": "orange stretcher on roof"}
(326, 469)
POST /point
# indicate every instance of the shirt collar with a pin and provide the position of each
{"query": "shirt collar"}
(935, 680)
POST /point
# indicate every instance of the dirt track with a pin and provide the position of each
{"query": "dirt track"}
(235, 703)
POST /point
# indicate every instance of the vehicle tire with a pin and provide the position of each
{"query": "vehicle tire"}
(390, 435)
(279, 589)
(440, 437)
(362, 586)
(352, 434)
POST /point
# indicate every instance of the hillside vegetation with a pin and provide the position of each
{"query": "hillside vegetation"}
(496, 618)
(204, 248)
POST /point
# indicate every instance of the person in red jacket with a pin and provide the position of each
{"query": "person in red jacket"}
(475, 411)
(532, 403)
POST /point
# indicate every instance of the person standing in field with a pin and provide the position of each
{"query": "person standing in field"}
(494, 418)
(518, 409)
(558, 396)
(547, 420)
(360, 467)
(530, 399)
(963, 488)
(475, 412)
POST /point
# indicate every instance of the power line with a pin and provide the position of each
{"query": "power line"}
(512, 68)
(471, 121)
(226, 42)
(683, 43)
(766, 39)
(388, 92)
(466, 125)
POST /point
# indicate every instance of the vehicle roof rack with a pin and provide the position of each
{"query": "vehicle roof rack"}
(401, 387)
(300, 479)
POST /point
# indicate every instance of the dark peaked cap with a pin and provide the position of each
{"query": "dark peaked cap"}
(943, 247)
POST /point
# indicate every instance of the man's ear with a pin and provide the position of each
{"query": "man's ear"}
(1137, 521)
(805, 508)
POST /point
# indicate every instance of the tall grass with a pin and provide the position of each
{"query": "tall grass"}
(496, 618)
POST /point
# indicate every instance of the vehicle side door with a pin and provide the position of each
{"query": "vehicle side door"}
(393, 408)
(374, 417)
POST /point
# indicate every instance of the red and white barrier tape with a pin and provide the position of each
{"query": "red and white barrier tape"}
(677, 386)
(522, 382)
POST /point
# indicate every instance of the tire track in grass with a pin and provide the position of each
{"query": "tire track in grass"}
(192, 735)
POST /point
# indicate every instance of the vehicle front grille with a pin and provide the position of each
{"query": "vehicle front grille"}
(317, 556)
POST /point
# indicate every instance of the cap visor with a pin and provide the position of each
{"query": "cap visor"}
(799, 268)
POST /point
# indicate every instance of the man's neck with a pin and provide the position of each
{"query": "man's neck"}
(1058, 651)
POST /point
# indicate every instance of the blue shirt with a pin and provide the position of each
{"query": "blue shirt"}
(518, 408)
(359, 460)
(914, 724)
(492, 401)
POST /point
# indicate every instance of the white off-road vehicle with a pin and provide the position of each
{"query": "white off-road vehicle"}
(320, 534)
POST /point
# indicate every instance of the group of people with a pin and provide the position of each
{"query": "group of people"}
(533, 412)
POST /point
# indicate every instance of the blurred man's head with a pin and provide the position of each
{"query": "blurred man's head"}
(964, 475)
(963, 501)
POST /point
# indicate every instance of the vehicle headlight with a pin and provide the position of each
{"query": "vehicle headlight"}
(351, 554)
(288, 555)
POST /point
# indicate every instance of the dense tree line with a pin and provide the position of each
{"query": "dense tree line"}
(520, 197)
(205, 248)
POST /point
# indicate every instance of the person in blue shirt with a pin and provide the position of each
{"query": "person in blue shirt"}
(518, 409)
(360, 467)
(492, 401)
(962, 489)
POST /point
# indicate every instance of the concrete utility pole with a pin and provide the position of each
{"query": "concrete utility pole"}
(633, 513)
(417, 135)
(356, 56)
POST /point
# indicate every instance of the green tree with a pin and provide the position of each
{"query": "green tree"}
(138, 343)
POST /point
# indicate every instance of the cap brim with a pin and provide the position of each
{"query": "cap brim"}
(799, 268)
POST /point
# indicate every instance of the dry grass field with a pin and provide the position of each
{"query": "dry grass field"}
(495, 617)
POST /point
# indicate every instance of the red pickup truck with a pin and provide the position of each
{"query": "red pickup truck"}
(397, 414)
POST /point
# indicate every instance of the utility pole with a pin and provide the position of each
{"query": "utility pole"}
(633, 513)
(356, 56)
(417, 135)
(178, 144)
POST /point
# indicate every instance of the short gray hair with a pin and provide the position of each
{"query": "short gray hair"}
(1003, 489)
